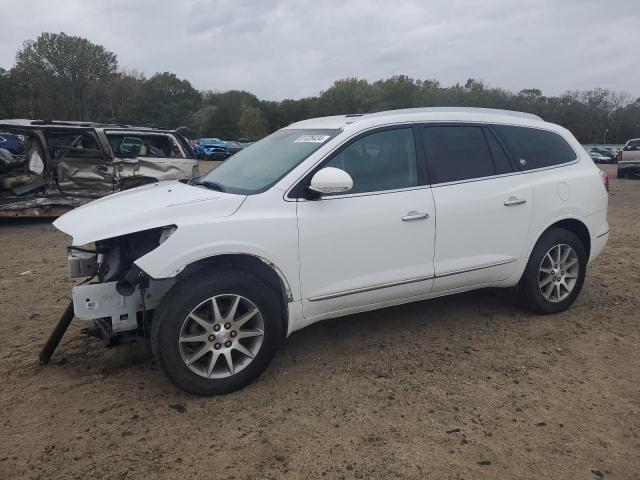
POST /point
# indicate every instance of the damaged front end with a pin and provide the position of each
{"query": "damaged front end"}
(118, 296)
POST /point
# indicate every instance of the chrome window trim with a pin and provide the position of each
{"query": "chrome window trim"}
(491, 177)
(368, 194)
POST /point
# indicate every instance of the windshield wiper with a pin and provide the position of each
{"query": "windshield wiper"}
(209, 184)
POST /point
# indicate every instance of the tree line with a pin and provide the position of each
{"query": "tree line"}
(63, 77)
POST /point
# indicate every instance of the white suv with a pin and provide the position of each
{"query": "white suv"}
(333, 216)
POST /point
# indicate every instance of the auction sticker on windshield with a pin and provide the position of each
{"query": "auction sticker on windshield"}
(312, 139)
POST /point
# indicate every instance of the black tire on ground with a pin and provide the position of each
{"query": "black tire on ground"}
(530, 294)
(189, 293)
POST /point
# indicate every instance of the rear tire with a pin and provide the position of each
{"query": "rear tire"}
(239, 341)
(555, 272)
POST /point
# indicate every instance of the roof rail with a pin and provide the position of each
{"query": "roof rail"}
(494, 111)
(71, 123)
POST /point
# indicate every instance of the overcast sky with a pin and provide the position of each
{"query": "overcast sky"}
(285, 49)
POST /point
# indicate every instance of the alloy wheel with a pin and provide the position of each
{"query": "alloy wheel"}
(221, 336)
(558, 273)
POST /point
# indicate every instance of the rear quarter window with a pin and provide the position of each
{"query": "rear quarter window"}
(632, 145)
(150, 145)
(534, 148)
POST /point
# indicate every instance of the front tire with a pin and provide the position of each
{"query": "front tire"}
(555, 272)
(215, 333)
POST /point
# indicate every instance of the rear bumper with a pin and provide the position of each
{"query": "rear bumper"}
(598, 227)
(598, 243)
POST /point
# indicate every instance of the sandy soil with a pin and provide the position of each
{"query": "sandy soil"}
(470, 386)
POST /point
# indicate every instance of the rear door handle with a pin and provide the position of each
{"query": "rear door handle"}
(100, 168)
(513, 201)
(413, 215)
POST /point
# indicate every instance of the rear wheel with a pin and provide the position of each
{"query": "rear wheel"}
(214, 334)
(555, 272)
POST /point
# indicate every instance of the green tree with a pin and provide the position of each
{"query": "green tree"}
(224, 120)
(60, 76)
(252, 124)
(7, 94)
(349, 95)
(166, 101)
(200, 119)
(68, 64)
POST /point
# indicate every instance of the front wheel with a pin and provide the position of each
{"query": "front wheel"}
(215, 332)
(555, 272)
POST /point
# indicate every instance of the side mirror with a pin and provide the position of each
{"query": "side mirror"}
(331, 180)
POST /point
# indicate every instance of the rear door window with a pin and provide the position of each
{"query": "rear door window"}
(500, 159)
(59, 142)
(534, 148)
(457, 153)
(140, 145)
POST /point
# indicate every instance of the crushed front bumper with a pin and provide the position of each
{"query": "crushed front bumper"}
(103, 301)
(94, 301)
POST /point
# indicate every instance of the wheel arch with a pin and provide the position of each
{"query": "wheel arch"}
(255, 265)
(573, 225)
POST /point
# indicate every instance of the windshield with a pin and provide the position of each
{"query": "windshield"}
(263, 163)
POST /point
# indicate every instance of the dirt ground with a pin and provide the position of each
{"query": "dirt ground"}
(463, 387)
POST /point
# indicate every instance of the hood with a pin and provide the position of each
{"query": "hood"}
(143, 208)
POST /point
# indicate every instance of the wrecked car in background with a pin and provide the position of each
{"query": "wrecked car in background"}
(62, 165)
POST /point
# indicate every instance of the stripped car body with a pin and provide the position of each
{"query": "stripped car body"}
(67, 164)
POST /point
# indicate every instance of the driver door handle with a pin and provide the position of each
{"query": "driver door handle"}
(513, 201)
(413, 215)
(100, 168)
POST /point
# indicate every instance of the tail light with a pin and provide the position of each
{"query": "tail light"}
(605, 179)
